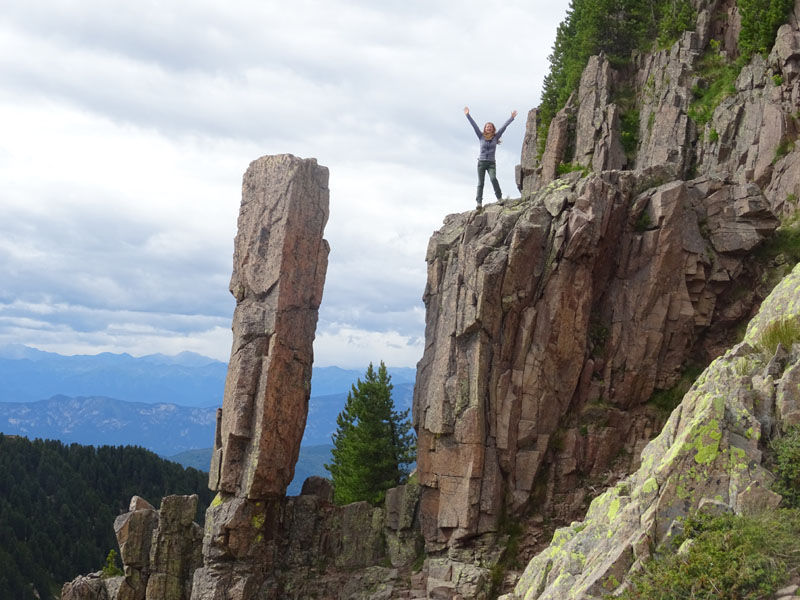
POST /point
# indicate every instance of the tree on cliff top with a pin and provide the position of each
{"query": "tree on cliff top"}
(373, 445)
(617, 27)
(614, 27)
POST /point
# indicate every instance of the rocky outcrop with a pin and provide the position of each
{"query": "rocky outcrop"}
(707, 458)
(310, 548)
(90, 587)
(279, 266)
(749, 136)
(160, 549)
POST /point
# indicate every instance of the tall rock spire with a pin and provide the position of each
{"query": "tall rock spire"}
(280, 260)
(279, 266)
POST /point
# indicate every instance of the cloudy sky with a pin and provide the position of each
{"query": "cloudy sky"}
(125, 128)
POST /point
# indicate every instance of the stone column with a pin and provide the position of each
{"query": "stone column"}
(279, 266)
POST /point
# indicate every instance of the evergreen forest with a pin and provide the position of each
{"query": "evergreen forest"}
(58, 503)
(618, 28)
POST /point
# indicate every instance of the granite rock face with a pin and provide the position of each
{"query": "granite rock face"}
(597, 130)
(707, 458)
(664, 80)
(279, 265)
(550, 321)
(160, 549)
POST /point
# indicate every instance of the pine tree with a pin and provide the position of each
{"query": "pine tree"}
(373, 446)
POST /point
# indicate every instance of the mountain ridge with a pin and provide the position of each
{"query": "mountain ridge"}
(186, 379)
(163, 427)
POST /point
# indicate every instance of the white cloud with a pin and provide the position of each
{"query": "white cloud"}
(127, 127)
(354, 348)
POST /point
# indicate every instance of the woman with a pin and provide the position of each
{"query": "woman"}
(489, 140)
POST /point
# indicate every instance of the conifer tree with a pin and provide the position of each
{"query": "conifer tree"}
(373, 445)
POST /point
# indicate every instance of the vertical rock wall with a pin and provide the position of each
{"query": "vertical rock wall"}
(550, 321)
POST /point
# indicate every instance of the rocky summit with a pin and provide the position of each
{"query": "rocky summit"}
(643, 243)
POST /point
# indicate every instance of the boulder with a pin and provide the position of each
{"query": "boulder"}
(318, 486)
(86, 587)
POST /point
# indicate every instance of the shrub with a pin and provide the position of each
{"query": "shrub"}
(785, 241)
(110, 569)
(565, 168)
(643, 222)
(760, 22)
(722, 77)
(666, 400)
(787, 468)
(629, 134)
(732, 558)
(785, 146)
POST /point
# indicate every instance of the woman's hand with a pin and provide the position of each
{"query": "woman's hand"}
(466, 110)
(513, 114)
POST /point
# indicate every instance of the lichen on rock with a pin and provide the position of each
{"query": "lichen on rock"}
(706, 456)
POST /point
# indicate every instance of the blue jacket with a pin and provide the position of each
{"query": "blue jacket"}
(488, 146)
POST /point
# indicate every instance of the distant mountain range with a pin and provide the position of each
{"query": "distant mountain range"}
(311, 462)
(166, 404)
(187, 379)
(166, 429)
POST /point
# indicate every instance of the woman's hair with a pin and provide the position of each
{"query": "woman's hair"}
(494, 131)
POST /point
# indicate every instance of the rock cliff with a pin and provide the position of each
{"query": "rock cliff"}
(708, 457)
(553, 319)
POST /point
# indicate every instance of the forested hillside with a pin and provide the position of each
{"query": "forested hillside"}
(619, 27)
(58, 503)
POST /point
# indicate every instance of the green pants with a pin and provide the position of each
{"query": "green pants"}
(491, 167)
